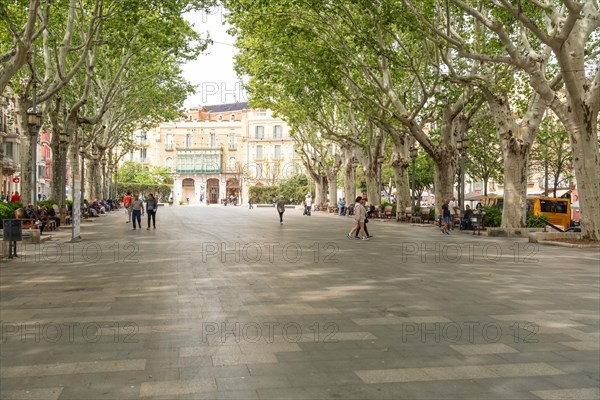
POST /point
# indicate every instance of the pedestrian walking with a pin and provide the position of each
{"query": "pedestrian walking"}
(137, 210)
(446, 217)
(359, 217)
(453, 206)
(127, 203)
(151, 208)
(364, 202)
(281, 208)
(308, 201)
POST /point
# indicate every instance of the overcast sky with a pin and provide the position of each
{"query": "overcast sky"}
(213, 71)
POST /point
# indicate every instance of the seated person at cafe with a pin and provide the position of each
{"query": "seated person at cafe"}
(52, 215)
(465, 222)
(91, 209)
(43, 217)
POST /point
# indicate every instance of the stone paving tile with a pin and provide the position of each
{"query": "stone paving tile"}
(175, 388)
(474, 349)
(394, 375)
(457, 372)
(500, 386)
(525, 369)
(569, 394)
(220, 395)
(583, 346)
(32, 394)
(399, 320)
(236, 359)
(72, 368)
(243, 383)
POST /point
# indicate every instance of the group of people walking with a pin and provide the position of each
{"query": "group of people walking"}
(361, 218)
(134, 207)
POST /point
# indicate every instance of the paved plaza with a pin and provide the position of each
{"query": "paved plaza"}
(226, 303)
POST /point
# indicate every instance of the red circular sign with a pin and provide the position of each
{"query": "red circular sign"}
(16, 180)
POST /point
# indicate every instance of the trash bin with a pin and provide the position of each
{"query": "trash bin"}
(12, 232)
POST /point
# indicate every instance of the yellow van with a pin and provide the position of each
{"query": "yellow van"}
(556, 210)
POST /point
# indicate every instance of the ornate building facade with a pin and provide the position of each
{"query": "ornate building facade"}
(217, 152)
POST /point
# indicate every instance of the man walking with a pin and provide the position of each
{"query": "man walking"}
(308, 201)
(280, 208)
(127, 203)
(137, 210)
(453, 211)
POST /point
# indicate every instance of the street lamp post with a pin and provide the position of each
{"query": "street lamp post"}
(414, 152)
(462, 146)
(34, 123)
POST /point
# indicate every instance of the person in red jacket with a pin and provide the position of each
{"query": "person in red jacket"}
(15, 198)
(127, 203)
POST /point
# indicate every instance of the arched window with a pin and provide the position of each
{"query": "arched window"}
(169, 163)
(231, 164)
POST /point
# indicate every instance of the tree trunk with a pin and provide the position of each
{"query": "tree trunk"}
(332, 183)
(371, 178)
(59, 167)
(106, 188)
(320, 192)
(89, 179)
(349, 180)
(400, 167)
(515, 141)
(445, 171)
(73, 156)
(96, 186)
(586, 160)
(514, 210)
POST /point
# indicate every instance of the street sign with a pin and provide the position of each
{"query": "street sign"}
(16, 180)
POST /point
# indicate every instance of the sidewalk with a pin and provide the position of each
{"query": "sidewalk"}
(227, 303)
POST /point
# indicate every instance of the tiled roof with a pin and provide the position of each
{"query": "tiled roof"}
(227, 107)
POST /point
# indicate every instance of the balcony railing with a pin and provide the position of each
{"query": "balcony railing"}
(169, 146)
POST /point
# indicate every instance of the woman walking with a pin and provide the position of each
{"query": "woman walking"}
(359, 216)
(151, 207)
